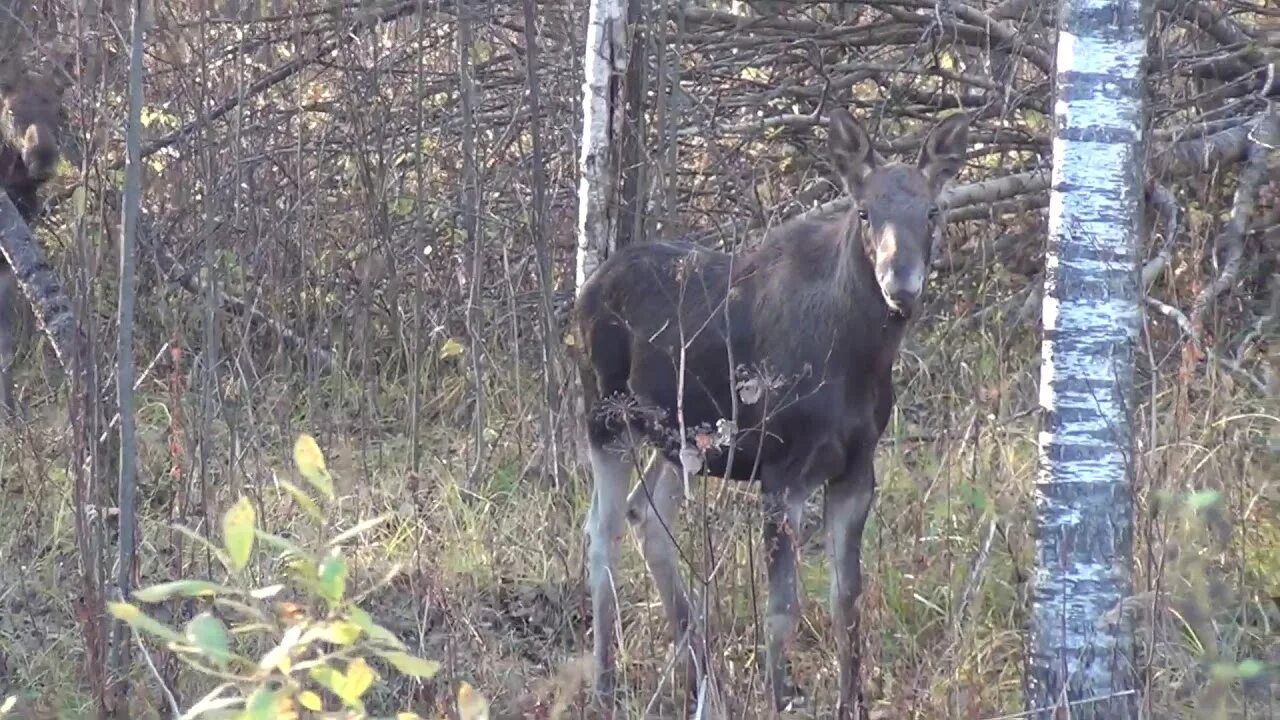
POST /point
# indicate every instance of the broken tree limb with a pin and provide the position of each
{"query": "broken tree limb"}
(1263, 139)
(41, 286)
(1161, 199)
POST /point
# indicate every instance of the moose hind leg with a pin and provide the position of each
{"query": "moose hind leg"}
(783, 513)
(606, 523)
(847, 504)
(653, 510)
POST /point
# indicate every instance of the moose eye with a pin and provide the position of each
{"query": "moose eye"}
(862, 214)
(933, 213)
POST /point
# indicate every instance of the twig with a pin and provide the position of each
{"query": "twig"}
(1076, 703)
(168, 694)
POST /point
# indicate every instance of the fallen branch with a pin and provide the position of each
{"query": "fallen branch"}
(1161, 199)
(41, 286)
(1263, 139)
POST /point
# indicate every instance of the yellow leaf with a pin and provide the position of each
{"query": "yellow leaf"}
(310, 462)
(471, 704)
(410, 665)
(341, 632)
(306, 503)
(360, 678)
(139, 620)
(570, 340)
(450, 348)
(310, 701)
(237, 532)
(12, 700)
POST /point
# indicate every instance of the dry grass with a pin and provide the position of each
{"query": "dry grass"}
(491, 579)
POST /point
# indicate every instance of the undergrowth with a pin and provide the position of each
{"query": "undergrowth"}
(484, 574)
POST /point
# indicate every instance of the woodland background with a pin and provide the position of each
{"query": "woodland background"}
(349, 232)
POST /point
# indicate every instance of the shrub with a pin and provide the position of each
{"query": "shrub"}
(320, 642)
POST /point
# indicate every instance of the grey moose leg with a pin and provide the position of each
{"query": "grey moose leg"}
(848, 502)
(782, 516)
(606, 523)
(653, 510)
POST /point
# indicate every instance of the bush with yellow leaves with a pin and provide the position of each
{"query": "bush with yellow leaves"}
(321, 642)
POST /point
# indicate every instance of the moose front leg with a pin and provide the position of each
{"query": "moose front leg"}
(782, 515)
(606, 522)
(847, 504)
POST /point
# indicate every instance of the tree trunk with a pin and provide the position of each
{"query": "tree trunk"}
(603, 123)
(1081, 652)
(126, 564)
(470, 203)
(542, 249)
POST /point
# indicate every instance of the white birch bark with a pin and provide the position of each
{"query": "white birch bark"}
(1081, 650)
(604, 66)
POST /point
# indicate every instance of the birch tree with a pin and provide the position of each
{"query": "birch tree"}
(603, 113)
(1081, 652)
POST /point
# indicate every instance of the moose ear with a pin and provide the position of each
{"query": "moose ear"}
(851, 151)
(944, 150)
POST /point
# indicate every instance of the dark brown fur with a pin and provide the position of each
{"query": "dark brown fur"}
(804, 329)
(30, 118)
(30, 122)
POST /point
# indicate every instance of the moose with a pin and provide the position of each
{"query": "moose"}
(30, 120)
(804, 329)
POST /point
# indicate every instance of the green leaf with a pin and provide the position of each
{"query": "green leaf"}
(450, 348)
(349, 686)
(330, 678)
(1202, 499)
(303, 500)
(375, 631)
(210, 635)
(262, 704)
(1250, 668)
(410, 665)
(180, 588)
(286, 546)
(199, 539)
(310, 462)
(338, 632)
(333, 576)
(139, 620)
(237, 532)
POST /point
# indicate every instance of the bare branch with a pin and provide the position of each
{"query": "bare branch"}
(1263, 140)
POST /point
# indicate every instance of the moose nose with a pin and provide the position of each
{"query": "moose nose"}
(901, 290)
(901, 299)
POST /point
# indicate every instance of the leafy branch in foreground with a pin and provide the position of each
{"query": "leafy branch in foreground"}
(320, 640)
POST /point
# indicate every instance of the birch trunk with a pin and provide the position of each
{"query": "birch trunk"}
(603, 112)
(1081, 652)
